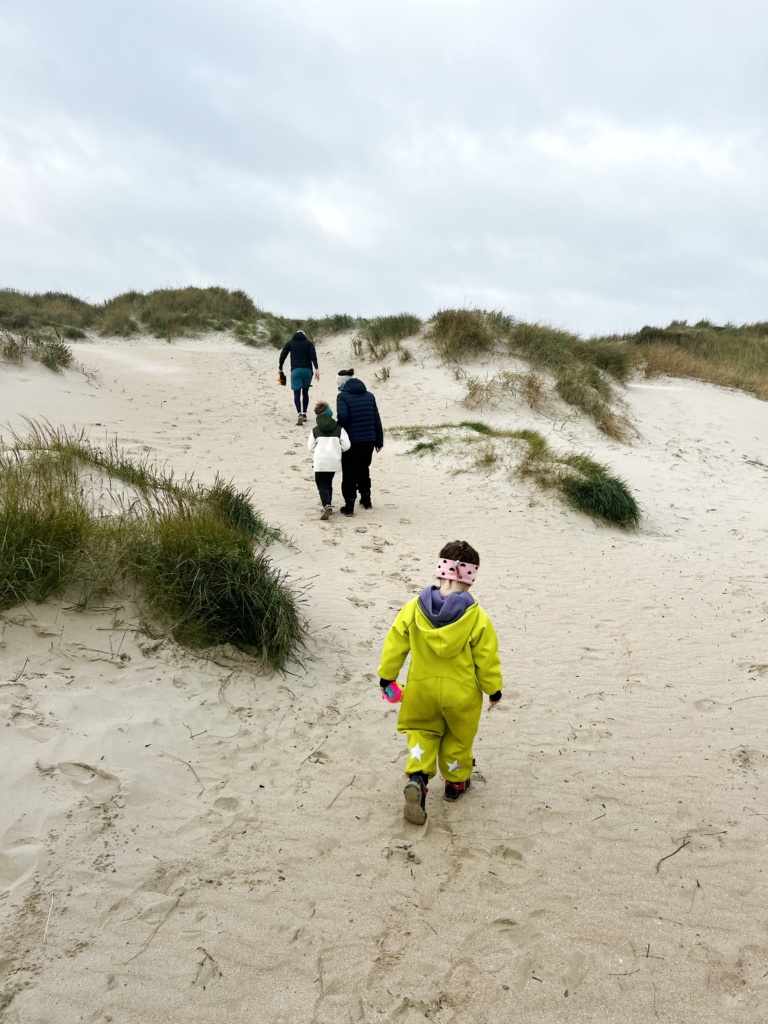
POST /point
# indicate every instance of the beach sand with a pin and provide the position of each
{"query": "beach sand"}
(185, 839)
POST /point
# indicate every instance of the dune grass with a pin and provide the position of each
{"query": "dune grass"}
(44, 528)
(269, 330)
(193, 556)
(174, 312)
(48, 350)
(582, 483)
(483, 391)
(582, 372)
(727, 355)
(23, 311)
(164, 312)
(383, 334)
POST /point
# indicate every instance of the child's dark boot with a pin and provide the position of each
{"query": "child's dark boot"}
(415, 794)
(456, 790)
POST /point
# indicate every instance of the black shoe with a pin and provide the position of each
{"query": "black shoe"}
(366, 504)
(415, 793)
(456, 790)
(346, 511)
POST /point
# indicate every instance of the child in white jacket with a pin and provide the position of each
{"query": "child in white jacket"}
(327, 441)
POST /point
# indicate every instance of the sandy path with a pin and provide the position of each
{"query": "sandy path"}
(185, 840)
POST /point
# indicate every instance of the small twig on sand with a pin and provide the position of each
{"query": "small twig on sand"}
(322, 741)
(154, 933)
(181, 759)
(192, 735)
(623, 974)
(345, 786)
(20, 673)
(680, 847)
(48, 920)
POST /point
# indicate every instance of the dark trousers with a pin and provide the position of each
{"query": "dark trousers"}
(324, 483)
(301, 399)
(355, 472)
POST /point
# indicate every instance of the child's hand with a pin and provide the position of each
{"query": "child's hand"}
(494, 698)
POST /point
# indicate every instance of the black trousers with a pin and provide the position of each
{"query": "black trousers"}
(355, 472)
(324, 483)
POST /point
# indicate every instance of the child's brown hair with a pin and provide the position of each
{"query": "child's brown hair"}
(460, 551)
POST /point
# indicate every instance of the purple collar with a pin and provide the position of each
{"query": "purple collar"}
(442, 611)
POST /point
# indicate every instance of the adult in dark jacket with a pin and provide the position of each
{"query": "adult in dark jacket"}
(357, 412)
(303, 359)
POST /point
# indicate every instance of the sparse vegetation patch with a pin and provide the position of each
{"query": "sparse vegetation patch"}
(382, 335)
(584, 484)
(48, 350)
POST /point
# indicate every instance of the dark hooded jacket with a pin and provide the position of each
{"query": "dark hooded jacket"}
(302, 352)
(357, 412)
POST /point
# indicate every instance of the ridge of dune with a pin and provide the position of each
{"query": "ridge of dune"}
(182, 838)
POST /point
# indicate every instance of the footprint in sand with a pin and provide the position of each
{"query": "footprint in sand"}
(99, 786)
(226, 803)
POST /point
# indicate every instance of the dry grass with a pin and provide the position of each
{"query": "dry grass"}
(48, 350)
(665, 360)
(484, 391)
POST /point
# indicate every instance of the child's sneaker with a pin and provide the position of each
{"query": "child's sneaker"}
(326, 513)
(456, 790)
(347, 511)
(415, 793)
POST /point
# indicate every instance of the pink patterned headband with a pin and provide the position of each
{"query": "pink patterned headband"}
(450, 569)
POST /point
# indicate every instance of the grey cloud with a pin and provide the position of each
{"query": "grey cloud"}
(581, 163)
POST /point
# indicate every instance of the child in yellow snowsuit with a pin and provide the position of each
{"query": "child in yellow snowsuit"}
(454, 660)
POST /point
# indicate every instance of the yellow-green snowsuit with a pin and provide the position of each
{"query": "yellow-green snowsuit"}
(451, 667)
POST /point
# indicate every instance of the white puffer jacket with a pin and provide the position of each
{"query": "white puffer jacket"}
(327, 452)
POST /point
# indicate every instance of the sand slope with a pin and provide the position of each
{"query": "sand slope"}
(182, 839)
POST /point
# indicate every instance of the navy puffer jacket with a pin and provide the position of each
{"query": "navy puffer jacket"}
(357, 412)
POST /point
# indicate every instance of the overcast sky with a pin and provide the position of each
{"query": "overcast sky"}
(597, 164)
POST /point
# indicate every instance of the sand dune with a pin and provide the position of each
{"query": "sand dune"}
(183, 839)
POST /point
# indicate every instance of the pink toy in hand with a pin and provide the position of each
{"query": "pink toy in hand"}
(392, 693)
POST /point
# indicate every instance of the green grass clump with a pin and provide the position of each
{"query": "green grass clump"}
(606, 496)
(44, 528)
(459, 334)
(423, 447)
(53, 353)
(118, 323)
(234, 508)
(74, 515)
(212, 588)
